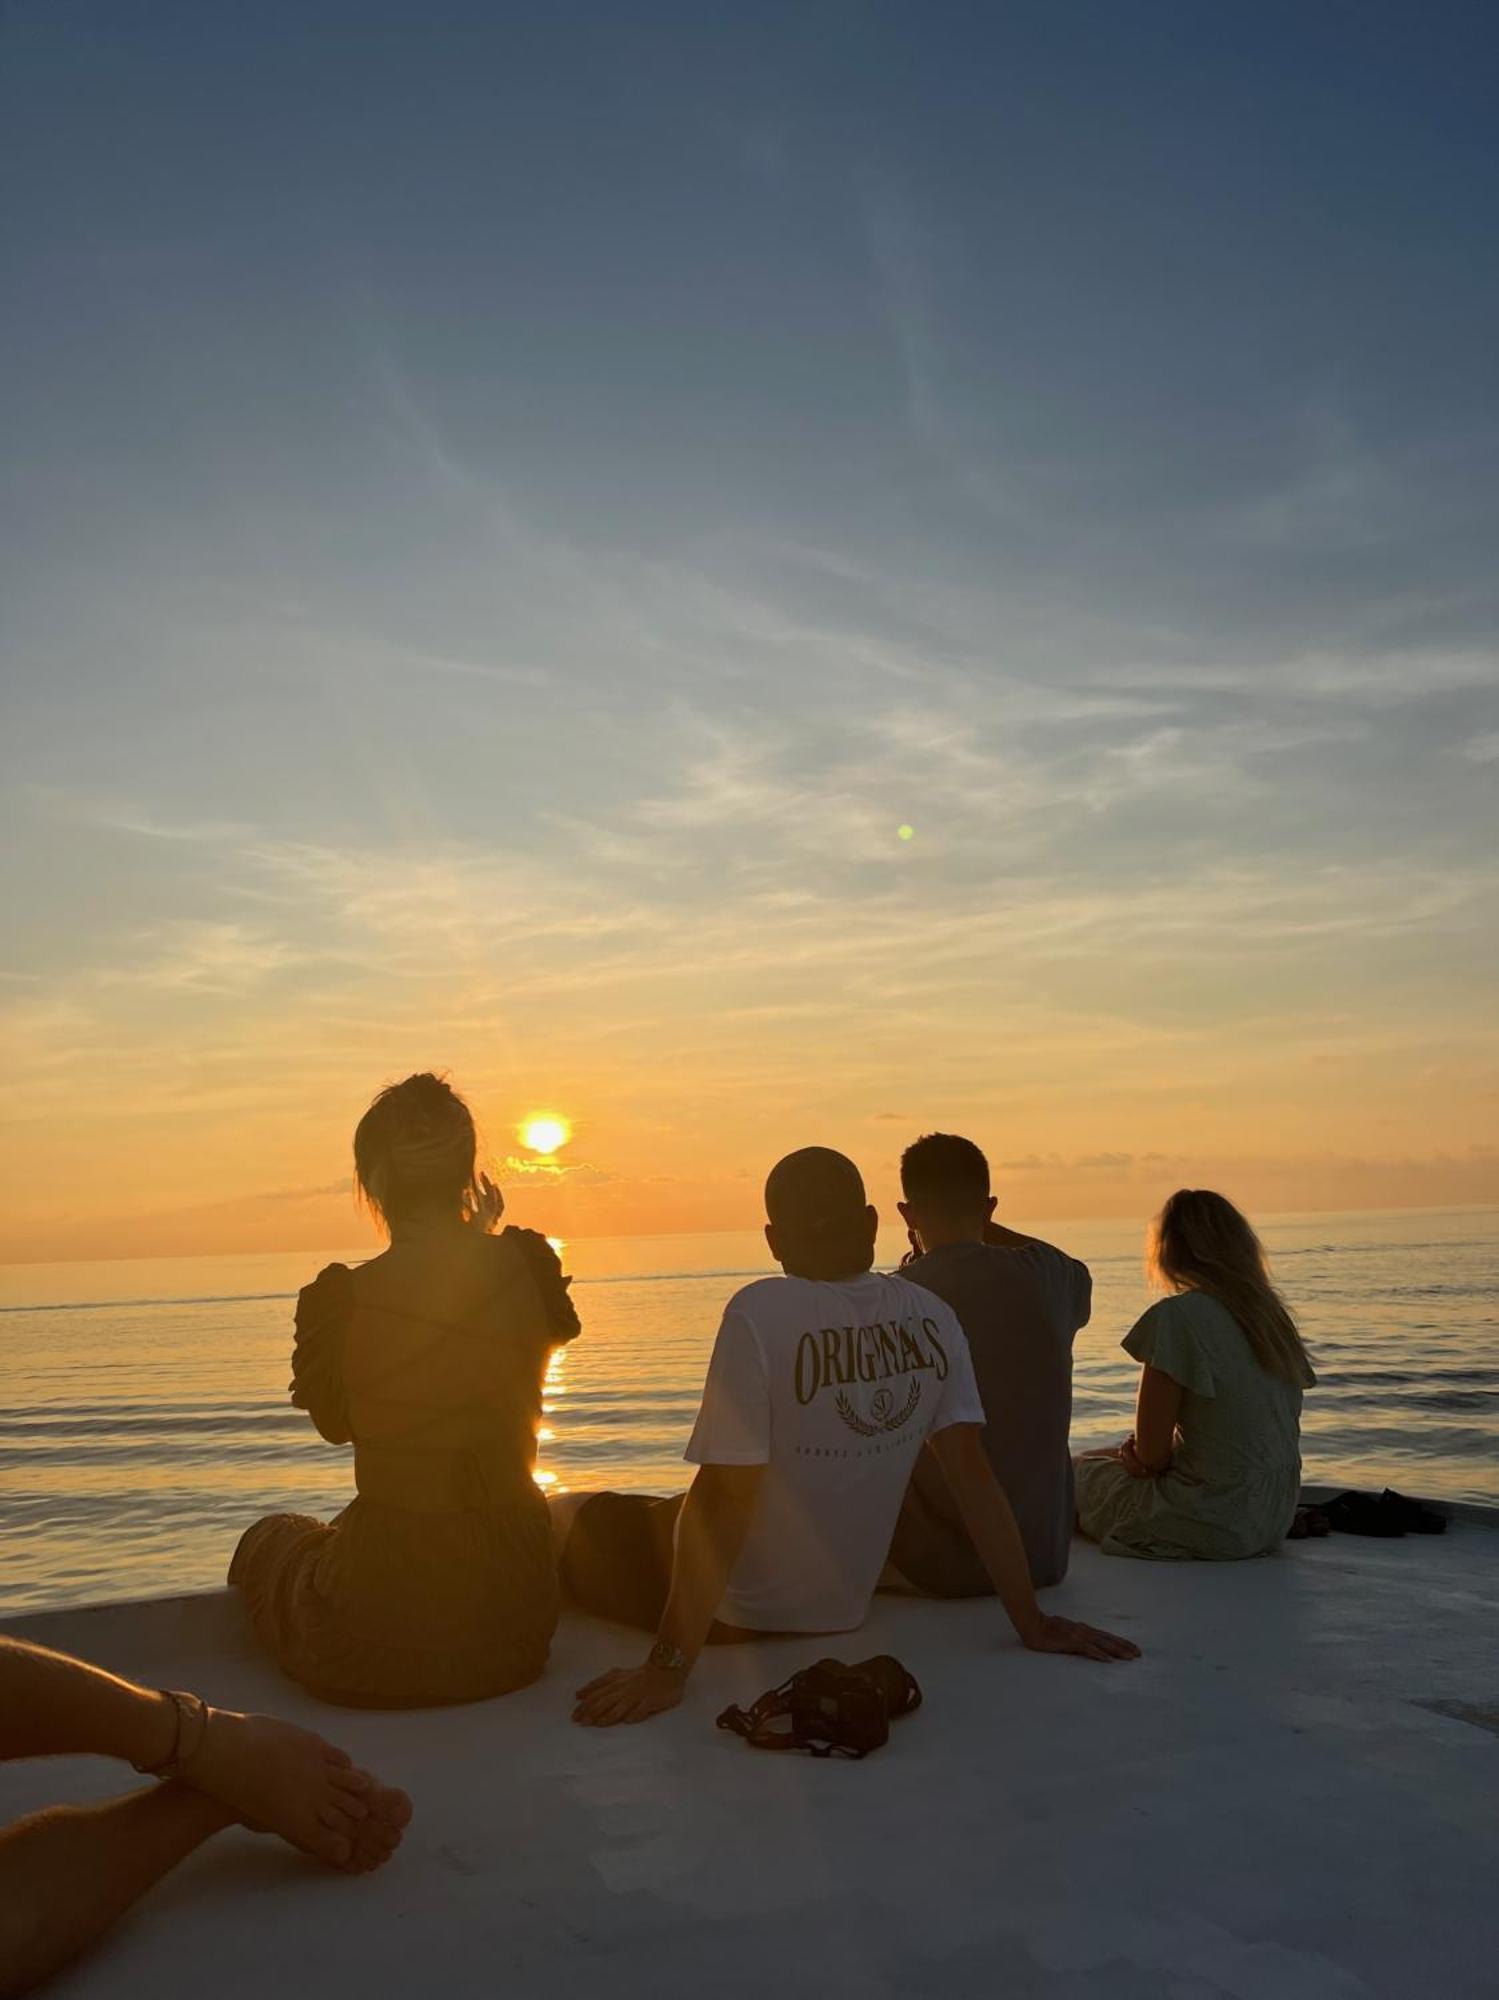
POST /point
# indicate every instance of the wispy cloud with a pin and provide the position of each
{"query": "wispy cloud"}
(205, 958)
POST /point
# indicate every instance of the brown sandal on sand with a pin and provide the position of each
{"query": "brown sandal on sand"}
(1308, 1524)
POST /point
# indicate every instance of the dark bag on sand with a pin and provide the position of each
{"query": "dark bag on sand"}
(829, 1709)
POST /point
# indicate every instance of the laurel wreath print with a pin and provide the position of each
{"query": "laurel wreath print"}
(892, 1422)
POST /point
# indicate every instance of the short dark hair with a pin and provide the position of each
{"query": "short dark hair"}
(946, 1172)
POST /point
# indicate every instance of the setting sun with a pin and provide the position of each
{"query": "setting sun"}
(546, 1133)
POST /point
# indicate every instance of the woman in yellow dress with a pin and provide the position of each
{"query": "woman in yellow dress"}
(438, 1583)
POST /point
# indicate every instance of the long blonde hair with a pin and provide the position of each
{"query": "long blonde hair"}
(415, 1150)
(1201, 1243)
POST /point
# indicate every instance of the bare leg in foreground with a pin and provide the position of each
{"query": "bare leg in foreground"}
(66, 1874)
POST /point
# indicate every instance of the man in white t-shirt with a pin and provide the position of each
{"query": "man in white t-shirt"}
(823, 1387)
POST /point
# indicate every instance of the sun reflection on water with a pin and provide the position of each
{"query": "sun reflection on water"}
(553, 1387)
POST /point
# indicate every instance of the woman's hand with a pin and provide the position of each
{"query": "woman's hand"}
(629, 1694)
(489, 1206)
(1134, 1465)
(1068, 1635)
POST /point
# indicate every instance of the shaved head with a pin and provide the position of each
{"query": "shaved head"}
(812, 1187)
(820, 1221)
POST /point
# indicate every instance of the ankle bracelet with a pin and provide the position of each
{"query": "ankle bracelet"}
(190, 1714)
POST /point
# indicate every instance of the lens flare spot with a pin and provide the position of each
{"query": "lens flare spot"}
(545, 1133)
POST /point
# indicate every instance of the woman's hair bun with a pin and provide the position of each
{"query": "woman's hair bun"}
(415, 1146)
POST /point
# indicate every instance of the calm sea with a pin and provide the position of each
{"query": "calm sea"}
(144, 1420)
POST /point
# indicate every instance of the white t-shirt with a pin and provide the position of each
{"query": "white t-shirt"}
(833, 1387)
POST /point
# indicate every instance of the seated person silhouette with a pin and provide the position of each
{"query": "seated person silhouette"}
(823, 1387)
(1021, 1303)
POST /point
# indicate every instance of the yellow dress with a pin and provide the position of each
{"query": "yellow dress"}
(438, 1583)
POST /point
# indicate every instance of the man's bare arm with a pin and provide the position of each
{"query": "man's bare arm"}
(714, 1520)
(711, 1529)
(990, 1522)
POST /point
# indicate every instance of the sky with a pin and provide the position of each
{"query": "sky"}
(508, 512)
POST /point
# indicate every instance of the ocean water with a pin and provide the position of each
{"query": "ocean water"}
(144, 1420)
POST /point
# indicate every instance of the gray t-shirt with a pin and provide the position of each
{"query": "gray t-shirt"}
(1021, 1307)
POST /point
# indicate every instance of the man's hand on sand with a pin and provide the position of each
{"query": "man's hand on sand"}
(1068, 1635)
(628, 1694)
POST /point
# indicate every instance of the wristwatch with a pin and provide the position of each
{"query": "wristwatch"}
(669, 1658)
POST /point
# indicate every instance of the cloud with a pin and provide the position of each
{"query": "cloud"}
(551, 1171)
(1157, 891)
(203, 957)
(115, 814)
(898, 242)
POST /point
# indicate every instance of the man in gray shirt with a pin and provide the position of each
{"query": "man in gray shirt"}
(1020, 1302)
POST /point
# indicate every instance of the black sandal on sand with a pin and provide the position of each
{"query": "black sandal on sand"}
(1308, 1524)
(1418, 1520)
(1387, 1515)
(829, 1709)
(1364, 1514)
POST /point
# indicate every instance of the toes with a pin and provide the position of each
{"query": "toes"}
(372, 1854)
(390, 1806)
(338, 1820)
(351, 1781)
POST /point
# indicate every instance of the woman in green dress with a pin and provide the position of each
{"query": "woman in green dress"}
(439, 1582)
(1212, 1470)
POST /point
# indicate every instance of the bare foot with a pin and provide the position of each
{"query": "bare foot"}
(281, 1779)
(377, 1837)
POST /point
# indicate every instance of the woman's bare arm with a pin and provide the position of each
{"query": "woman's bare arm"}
(1149, 1452)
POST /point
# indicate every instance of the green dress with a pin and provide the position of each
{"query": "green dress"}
(1235, 1476)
